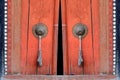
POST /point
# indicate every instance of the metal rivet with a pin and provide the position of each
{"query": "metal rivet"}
(40, 30)
(80, 30)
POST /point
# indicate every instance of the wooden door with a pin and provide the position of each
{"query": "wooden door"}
(96, 45)
(23, 15)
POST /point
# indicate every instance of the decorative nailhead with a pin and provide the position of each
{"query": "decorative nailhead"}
(5, 36)
(114, 37)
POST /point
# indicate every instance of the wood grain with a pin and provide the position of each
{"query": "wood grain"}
(79, 11)
(16, 26)
(66, 68)
(9, 38)
(110, 36)
(23, 45)
(14, 36)
(95, 6)
(104, 37)
(41, 11)
(24, 34)
(55, 35)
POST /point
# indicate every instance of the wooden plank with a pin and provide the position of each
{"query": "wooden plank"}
(110, 44)
(9, 38)
(55, 33)
(96, 34)
(16, 43)
(19, 33)
(14, 36)
(66, 69)
(80, 77)
(106, 47)
(79, 11)
(24, 34)
(41, 11)
(16, 26)
(104, 36)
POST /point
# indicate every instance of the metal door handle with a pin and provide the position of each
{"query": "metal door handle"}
(40, 31)
(80, 31)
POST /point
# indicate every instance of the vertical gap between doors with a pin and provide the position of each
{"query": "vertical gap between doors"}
(60, 46)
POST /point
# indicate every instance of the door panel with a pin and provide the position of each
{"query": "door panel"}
(106, 37)
(33, 12)
(64, 31)
(79, 12)
(24, 34)
(40, 13)
(13, 37)
(96, 45)
(96, 34)
(96, 55)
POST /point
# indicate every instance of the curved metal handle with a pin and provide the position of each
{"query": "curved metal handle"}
(80, 31)
(80, 57)
(40, 31)
(39, 60)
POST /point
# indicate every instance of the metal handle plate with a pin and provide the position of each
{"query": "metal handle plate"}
(40, 29)
(80, 30)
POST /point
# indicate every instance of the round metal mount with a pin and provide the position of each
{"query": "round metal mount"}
(40, 29)
(80, 30)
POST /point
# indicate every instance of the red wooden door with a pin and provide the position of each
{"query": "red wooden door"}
(23, 45)
(96, 45)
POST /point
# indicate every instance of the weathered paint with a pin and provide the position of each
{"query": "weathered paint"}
(97, 45)
(22, 55)
(23, 46)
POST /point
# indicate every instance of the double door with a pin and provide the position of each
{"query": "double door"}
(86, 37)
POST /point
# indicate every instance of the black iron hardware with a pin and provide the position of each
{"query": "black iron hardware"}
(80, 31)
(40, 31)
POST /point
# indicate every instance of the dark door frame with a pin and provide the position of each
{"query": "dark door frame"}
(1, 36)
(118, 37)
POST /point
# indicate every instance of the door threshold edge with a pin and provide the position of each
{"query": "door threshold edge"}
(60, 77)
